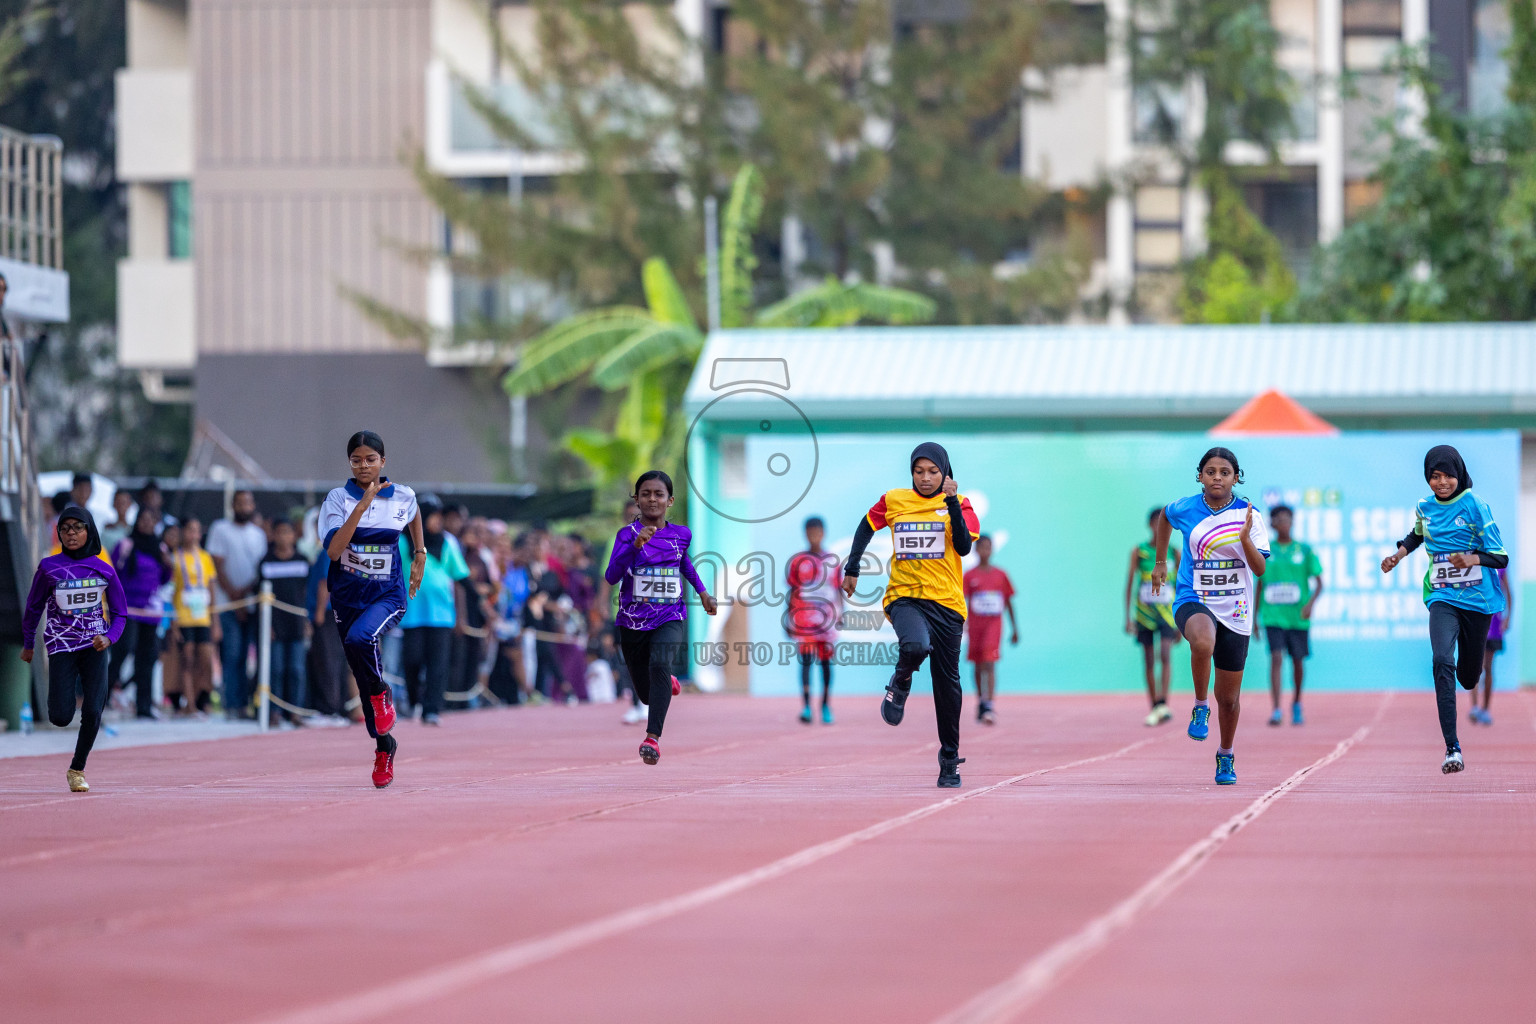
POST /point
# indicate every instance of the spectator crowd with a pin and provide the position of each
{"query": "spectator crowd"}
(506, 614)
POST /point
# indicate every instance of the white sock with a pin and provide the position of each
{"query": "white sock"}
(1202, 703)
(1223, 750)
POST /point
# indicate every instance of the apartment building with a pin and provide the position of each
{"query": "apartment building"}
(1090, 124)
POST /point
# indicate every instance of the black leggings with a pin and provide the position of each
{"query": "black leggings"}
(650, 655)
(926, 629)
(1456, 636)
(807, 659)
(88, 669)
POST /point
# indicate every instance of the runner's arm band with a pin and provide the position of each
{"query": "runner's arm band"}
(958, 527)
(1493, 561)
(1411, 542)
(861, 538)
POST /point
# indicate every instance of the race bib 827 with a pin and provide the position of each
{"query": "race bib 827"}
(919, 540)
(1445, 576)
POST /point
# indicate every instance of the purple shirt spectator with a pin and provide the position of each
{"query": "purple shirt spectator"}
(141, 575)
(75, 593)
(652, 591)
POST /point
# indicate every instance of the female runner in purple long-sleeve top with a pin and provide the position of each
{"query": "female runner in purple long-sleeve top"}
(650, 556)
(86, 619)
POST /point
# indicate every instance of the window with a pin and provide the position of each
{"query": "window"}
(179, 220)
(1489, 74)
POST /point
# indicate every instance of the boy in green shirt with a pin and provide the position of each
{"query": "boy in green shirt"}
(1290, 589)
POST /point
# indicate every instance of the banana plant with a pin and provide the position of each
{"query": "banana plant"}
(649, 352)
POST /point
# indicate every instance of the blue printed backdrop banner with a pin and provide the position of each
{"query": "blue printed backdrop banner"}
(1065, 512)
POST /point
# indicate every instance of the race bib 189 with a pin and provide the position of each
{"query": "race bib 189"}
(375, 561)
(658, 584)
(919, 540)
(1282, 593)
(1218, 577)
(1445, 576)
(76, 596)
(1163, 596)
(986, 602)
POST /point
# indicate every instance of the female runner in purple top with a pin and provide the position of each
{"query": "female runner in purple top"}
(650, 556)
(86, 611)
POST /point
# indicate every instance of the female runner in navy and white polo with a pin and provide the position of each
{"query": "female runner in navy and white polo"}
(650, 556)
(360, 525)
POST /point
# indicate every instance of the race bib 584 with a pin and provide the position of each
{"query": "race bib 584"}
(1218, 577)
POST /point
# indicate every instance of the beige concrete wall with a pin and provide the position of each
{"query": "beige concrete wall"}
(305, 113)
(158, 35)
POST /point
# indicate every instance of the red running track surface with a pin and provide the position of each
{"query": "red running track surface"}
(526, 866)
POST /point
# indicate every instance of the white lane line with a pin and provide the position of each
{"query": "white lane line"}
(1005, 1001)
(393, 997)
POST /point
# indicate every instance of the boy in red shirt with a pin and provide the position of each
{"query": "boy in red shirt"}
(815, 605)
(988, 593)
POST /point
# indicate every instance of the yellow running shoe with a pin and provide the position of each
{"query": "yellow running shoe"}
(77, 783)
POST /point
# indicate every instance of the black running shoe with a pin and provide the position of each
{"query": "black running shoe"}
(949, 772)
(895, 704)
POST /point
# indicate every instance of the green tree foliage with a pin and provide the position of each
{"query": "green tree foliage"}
(1453, 235)
(88, 413)
(1226, 49)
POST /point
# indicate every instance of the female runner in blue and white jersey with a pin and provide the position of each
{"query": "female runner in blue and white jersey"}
(360, 525)
(1456, 527)
(1225, 545)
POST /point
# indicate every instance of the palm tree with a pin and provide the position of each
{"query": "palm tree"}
(649, 353)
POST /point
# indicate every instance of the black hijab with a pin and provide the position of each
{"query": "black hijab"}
(934, 453)
(92, 546)
(144, 543)
(431, 505)
(1448, 461)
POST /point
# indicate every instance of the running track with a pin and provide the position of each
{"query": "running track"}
(527, 867)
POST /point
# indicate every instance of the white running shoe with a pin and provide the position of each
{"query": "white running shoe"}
(636, 714)
(1452, 762)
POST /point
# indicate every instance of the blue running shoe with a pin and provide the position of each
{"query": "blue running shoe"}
(1296, 716)
(1275, 717)
(826, 714)
(1226, 770)
(805, 714)
(1200, 722)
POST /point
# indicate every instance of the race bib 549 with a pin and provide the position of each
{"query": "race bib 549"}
(374, 561)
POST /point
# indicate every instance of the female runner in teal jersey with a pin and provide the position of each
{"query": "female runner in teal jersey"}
(1457, 529)
(1225, 547)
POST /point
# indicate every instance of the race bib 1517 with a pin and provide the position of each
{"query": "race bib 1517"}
(919, 540)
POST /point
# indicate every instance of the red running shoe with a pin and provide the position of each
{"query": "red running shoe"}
(383, 712)
(383, 767)
(650, 751)
(677, 687)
